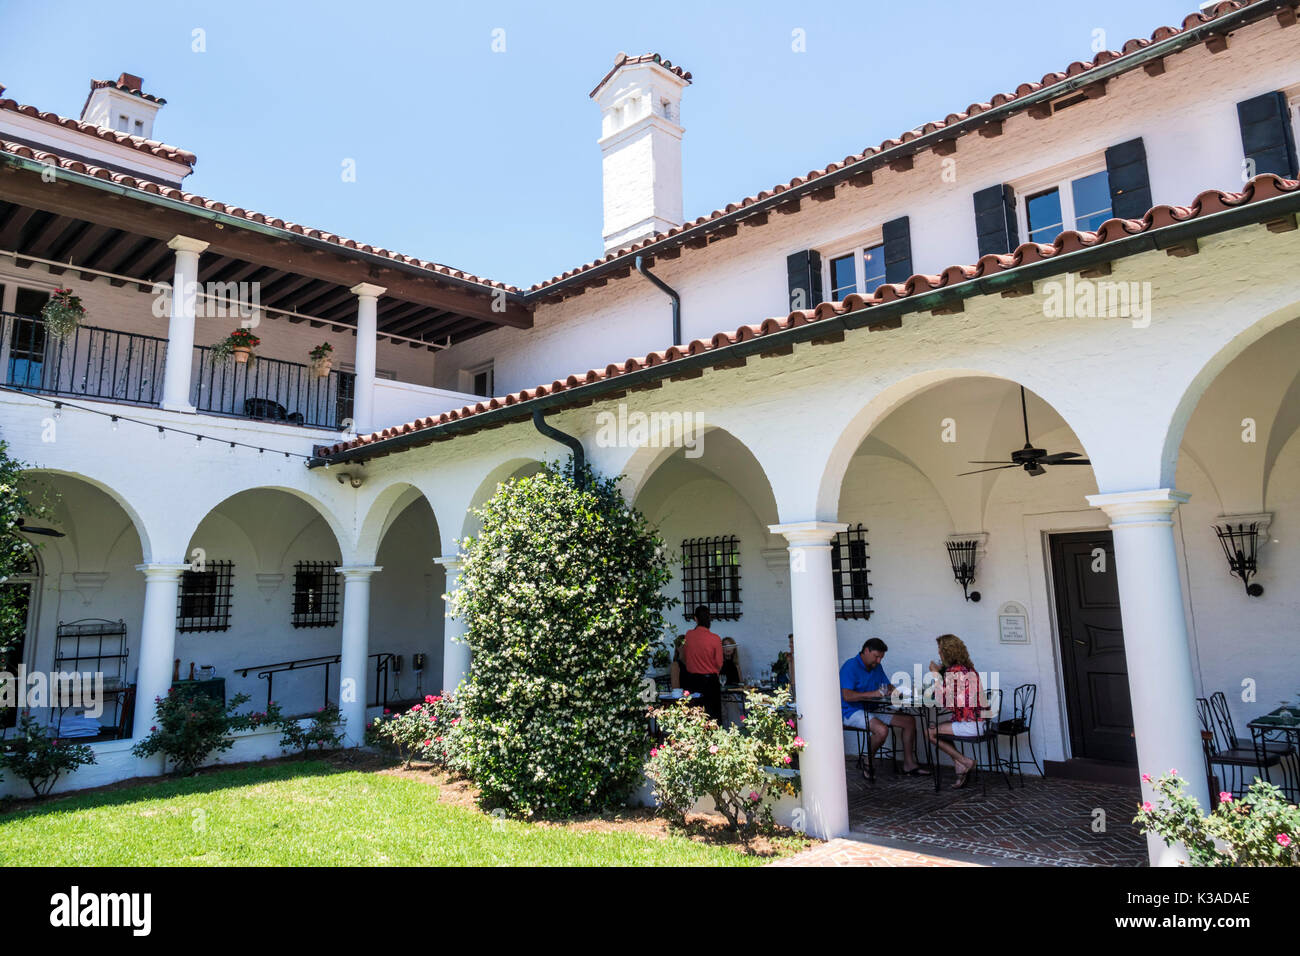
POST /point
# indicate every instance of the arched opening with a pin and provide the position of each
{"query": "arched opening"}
(260, 612)
(83, 600)
(1237, 454)
(406, 602)
(712, 503)
(946, 464)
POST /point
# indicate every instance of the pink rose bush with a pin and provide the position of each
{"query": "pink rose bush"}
(427, 731)
(1258, 829)
(734, 766)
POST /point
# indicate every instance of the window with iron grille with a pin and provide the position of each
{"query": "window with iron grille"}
(204, 603)
(315, 594)
(711, 576)
(849, 574)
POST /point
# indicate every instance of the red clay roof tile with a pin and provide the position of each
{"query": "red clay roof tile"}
(1074, 69)
(1265, 186)
(135, 142)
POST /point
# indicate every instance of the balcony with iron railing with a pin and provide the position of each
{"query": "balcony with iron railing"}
(127, 367)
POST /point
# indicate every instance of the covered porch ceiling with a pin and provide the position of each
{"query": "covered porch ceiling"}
(88, 230)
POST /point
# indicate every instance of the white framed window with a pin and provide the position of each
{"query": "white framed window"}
(1071, 196)
(858, 268)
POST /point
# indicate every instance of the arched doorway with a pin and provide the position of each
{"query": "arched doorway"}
(939, 486)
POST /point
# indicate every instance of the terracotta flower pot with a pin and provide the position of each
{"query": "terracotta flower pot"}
(242, 353)
(322, 367)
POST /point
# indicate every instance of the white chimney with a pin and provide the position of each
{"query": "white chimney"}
(122, 105)
(641, 147)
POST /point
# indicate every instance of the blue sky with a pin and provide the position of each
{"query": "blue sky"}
(488, 161)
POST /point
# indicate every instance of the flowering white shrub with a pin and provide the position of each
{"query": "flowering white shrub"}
(561, 594)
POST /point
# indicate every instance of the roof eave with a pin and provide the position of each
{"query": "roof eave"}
(880, 316)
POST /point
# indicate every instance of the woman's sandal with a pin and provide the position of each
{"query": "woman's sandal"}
(962, 778)
(916, 772)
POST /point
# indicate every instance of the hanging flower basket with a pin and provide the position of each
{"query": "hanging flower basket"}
(239, 345)
(322, 359)
(62, 314)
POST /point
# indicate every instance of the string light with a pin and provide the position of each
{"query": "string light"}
(162, 429)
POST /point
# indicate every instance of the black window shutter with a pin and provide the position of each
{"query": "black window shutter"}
(897, 234)
(1266, 134)
(1130, 186)
(995, 220)
(804, 270)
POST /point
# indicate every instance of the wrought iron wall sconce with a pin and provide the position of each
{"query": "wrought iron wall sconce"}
(1240, 536)
(964, 551)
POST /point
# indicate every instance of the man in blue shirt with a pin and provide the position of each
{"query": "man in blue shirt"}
(862, 679)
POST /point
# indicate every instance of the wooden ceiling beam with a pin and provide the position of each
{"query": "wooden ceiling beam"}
(342, 265)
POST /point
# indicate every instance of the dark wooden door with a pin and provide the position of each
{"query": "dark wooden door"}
(1092, 647)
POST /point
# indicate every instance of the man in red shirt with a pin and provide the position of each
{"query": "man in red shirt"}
(702, 657)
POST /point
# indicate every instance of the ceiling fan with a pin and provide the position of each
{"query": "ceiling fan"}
(1029, 458)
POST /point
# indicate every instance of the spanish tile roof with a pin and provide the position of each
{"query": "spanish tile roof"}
(171, 192)
(623, 59)
(1072, 71)
(1263, 187)
(162, 150)
(127, 83)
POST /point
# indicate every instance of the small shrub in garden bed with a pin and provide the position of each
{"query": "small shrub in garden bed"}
(732, 765)
(1260, 829)
(192, 726)
(324, 731)
(34, 756)
(428, 731)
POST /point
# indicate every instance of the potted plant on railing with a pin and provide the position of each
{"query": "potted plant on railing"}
(239, 344)
(63, 313)
(322, 359)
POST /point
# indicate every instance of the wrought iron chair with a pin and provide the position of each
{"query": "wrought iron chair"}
(866, 759)
(1023, 699)
(992, 717)
(1225, 749)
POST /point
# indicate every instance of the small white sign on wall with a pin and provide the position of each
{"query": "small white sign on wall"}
(1013, 623)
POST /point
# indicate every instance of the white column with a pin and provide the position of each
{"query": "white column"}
(1161, 685)
(816, 654)
(180, 330)
(363, 392)
(455, 652)
(353, 683)
(157, 641)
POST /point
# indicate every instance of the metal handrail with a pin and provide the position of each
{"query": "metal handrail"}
(271, 390)
(92, 362)
(383, 664)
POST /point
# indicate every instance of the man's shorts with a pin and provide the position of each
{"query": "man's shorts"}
(859, 717)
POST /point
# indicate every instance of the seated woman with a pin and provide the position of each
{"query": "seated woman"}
(957, 690)
(730, 661)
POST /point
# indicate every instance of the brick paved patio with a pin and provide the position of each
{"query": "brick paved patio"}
(1049, 822)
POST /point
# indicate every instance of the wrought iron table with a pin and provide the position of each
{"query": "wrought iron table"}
(1280, 726)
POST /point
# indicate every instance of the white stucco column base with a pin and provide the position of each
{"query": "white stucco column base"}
(1161, 685)
(180, 327)
(157, 641)
(816, 653)
(455, 652)
(356, 650)
(363, 391)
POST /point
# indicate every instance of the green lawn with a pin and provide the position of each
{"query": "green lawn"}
(310, 814)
